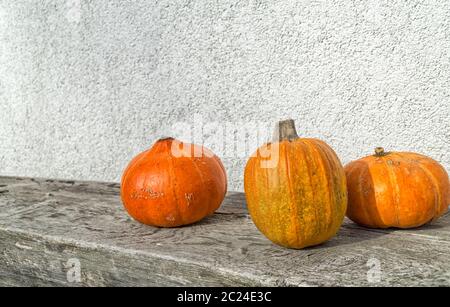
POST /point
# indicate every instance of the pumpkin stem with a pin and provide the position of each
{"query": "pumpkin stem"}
(285, 131)
(166, 139)
(379, 152)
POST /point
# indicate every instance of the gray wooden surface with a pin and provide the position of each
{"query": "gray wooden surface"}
(48, 227)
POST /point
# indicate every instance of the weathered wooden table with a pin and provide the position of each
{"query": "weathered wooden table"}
(77, 233)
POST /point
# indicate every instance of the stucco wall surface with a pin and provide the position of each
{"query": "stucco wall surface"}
(87, 84)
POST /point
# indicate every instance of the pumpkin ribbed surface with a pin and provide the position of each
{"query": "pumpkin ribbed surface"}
(396, 189)
(301, 201)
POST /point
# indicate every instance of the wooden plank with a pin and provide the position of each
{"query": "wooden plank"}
(48, 226)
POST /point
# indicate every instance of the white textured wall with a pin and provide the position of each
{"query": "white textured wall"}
(85, 85)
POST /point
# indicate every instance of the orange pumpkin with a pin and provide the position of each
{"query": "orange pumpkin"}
(295, 189)
(396, 189)
(173, 184)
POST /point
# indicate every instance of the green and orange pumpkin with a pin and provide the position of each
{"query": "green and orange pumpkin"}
(296, 189)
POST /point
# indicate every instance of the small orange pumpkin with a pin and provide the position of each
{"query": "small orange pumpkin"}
(173, 184)
(396, 189)
(295, 189)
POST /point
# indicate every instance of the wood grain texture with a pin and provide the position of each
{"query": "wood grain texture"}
(44, 224)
